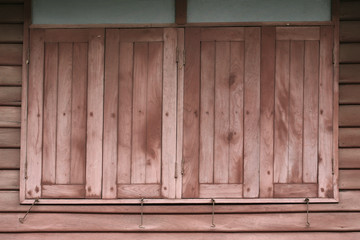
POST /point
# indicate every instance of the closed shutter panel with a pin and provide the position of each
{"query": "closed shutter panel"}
(258, 113)
(140, 113)
(64, 131)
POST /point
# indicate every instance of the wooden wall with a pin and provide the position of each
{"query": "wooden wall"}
(271, 221)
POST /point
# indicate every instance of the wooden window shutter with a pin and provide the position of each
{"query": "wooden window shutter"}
(65, 114)
(140, 113)
(258, 113)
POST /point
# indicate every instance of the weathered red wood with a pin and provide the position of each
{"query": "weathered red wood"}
(349, 116)
(252, 113)
(267, 88)
(222, 114)
(349, 137)
(236, 128)
(66, 35)
(284, 190)
(124, 132)
(221, 190)
(349, 94)
(10, 54)
(9, 179)
(62, 191)
(11, 33)
(9, 158)
(349, 53)
(78, 114)
(349, 10)
(181, 11)
(10, 75)
(348, 31)
(206, 155)
(296, 112)
(63, 128)
(141, 35)
(349, 158)
(222, 34)
(311, 111)
(12, 13)
(50, 113)
(281, 147)
(10, 117)
(191, 114)
(10, 137)
(349, 179)
(139, 191)
(111, 99)
(325, 179)
(298, 33)
(10, 96)
(349, 73)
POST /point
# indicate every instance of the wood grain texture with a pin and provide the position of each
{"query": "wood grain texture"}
(50, 113)
(252, 113)
(348, 31)
(9, 137)
(349, 158)
(139, 191)
(350, 53)
(296, 112)
(349, 137)
(295, 190)
(326, 85)
(281, 150)
(124, 133)
(311, 111)
(349, 10)
(349, 94)
(191, 114)
(141, 35)
(267, 86)
(111, 101)
(222, 114)
(169, 98)
(349, 73)
(62, 191)
(95, 110)
(10, 116)
(9, 158)
(341, 222)
(10, 75)
(349, 116)
(194, 236)
(298, 33)
(12, 13)
(9, 179)
(221, 190)
(181, 12)
(10, 96)
(11, 54)
(349, 179)
(223, 34)
(207, 118)
(11, 33)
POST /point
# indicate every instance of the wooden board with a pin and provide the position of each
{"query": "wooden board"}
(9, 158)
(298, 33)
(349, 10)
(10, 96)
(349, 179)
(11, 33)
(342, 222)
(349, 137)
(10, 75)
(349, 31)
(9, 137)
(9, 179)
(350, 53)
(349, 94)
(10, 54)
(63, 191)
(176, 236)
(10, 116)
(349, 73)
(349, 116)
(349, 158)
(12, 13)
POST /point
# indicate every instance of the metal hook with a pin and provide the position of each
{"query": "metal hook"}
(22, 220)
(307, 200)
(213, 213)
(142, 213)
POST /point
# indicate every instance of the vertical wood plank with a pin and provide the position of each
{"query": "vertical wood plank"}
(296, 108)
(63, 136)
(94, 142)
(252, 113)
(138, 154)
(50, 113)
(311, 111)
(153, 113)
(180, 11)
(206, 164)
(111, 100)
(267, 112)
(191, 114)
(78, 115)
(35, 115)
(222, 118)
(236, 133)
(125, 111)
(325, 113)
(281, 149)
(169, 114)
